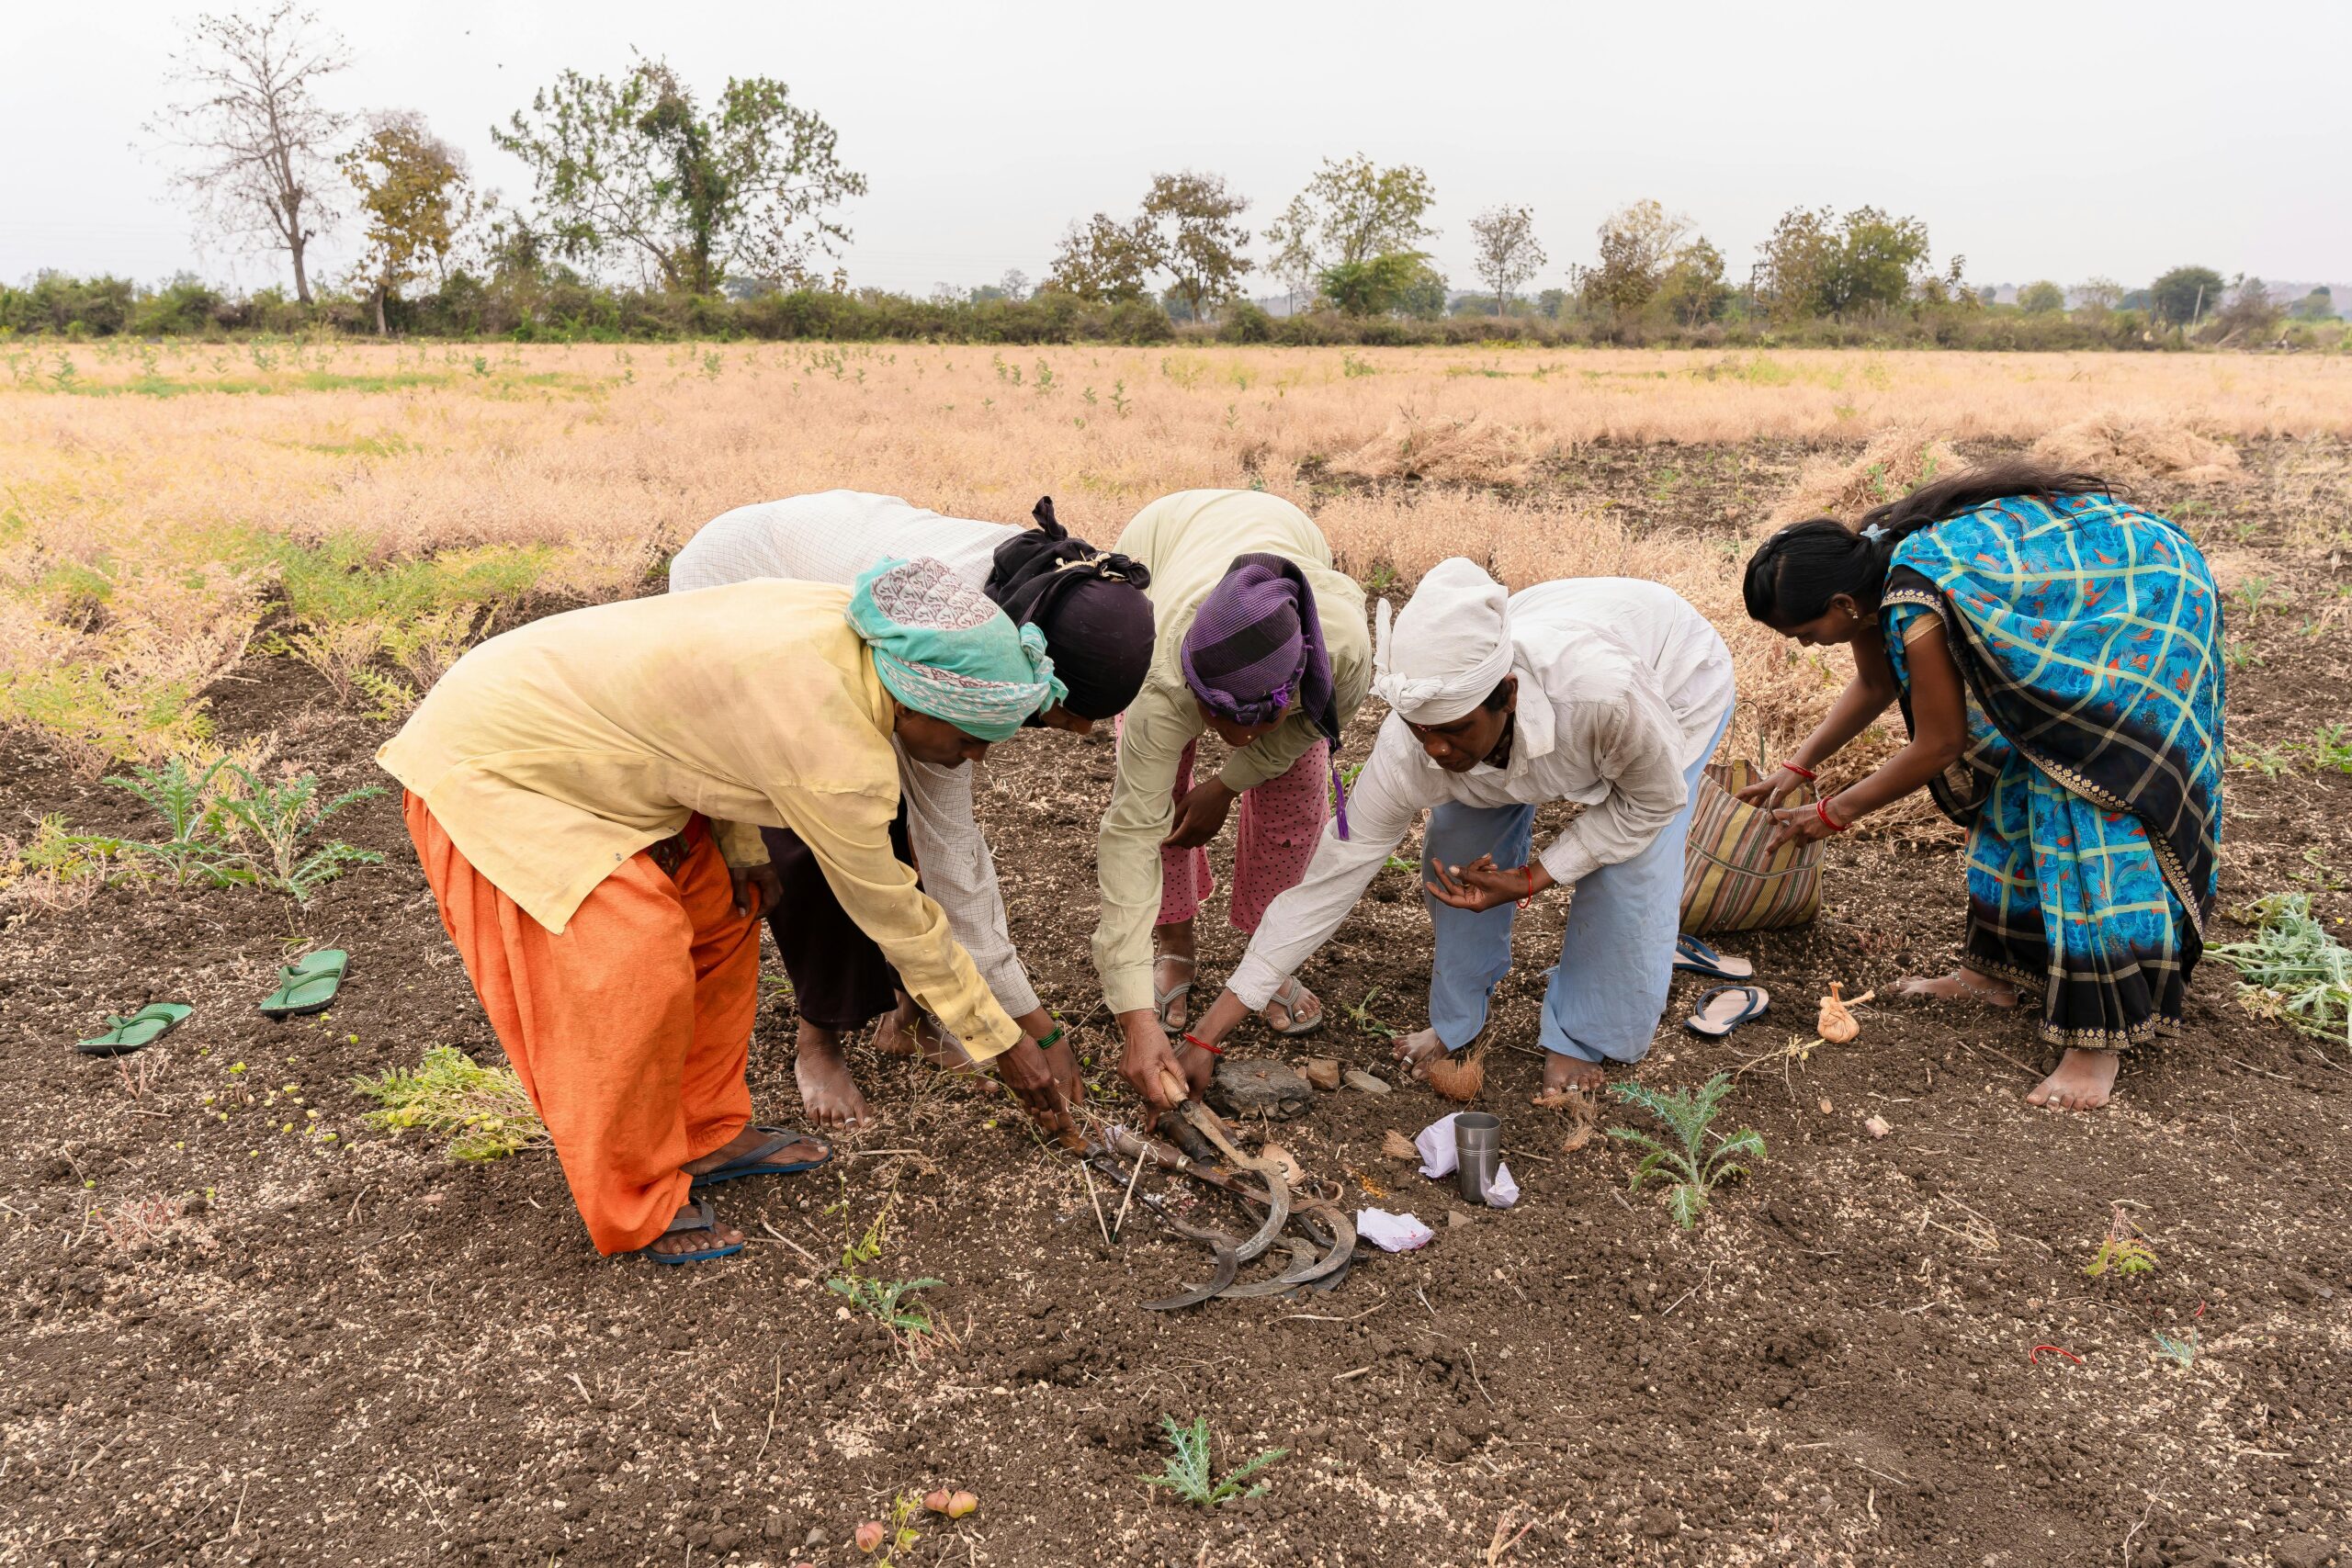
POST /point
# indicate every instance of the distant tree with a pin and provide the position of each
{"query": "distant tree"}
(2136, 300)
(635, 168)
(2249, 311)
(1424, 292)
(415, 197)
(1693, 291)
(1292, 235)
(2099, 294)
(256, 139)
(1508, 252)
(1105, 259)
(1638, 243)
(1816, 264)
(1353, 210)
(2182, 296)
(1551, 303)
(1199, 243)
(1014, 283)
(2319, 305)
(2041, 298)
(1986, 293)
(1378, 284)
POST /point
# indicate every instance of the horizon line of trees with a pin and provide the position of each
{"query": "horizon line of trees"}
(716, 208)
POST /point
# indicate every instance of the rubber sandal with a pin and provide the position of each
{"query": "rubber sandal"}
(704, 1218)
(1698, 958)
(756, 1163)
(1287, 995)
(307, 984)
(138, 1032)
(1714, 1021)
(1177, 992)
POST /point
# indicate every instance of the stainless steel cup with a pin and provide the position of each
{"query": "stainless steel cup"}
(1478, 1146)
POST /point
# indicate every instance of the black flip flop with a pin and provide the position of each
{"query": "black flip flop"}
(1710, 1020)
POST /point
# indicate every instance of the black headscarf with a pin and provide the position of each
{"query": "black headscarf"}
(1090, 604)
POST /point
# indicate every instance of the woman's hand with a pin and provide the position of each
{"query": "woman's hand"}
(1024, 1071)
(1797, 825)
(1482, 884)
(1200, 815)
(1148, 1065)
(1772, 788)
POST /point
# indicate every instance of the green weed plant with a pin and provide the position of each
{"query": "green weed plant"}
(1684, 1158)
(1189, 1474)
(483, 1111)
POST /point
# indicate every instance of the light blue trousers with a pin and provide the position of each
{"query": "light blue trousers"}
(1616, 958)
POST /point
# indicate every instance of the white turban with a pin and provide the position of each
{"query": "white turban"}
(1451, 647)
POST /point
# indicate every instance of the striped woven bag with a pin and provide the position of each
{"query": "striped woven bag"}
(1729, 884)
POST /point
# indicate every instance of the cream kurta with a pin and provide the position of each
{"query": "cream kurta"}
(1189, 540)
(554, 752)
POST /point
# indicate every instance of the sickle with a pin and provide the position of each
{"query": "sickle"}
(1302, 1257)
(1228, 1265)
(1277, 1188)
(1343, 1245)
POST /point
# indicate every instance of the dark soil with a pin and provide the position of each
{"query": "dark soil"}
(228, 1342)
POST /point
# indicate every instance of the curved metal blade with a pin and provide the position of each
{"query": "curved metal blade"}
(1301, 1257)
(1228, 1265)
(1343, 1245)
(1277, 1216)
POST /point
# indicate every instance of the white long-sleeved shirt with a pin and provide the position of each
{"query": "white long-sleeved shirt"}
(1622, 687)
(834, 537)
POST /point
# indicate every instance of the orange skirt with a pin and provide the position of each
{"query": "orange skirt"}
(630, 1030)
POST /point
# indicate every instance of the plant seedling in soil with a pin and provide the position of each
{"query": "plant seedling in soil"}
(1696, 1171)
(483, 1110)
(283, 816)
(2181, 1351)
(1189, 1473)
(2292, 969)
(887, 1301)
(1359, 1014)
(2121, 1251)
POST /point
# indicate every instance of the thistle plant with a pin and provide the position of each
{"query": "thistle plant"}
(1694, 1168)
(1189, 1473)
(283, 817)
(2292, 969)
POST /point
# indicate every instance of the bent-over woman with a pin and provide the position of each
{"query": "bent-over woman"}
(2056, 653)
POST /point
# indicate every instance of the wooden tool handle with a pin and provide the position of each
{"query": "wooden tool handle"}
(1174, 1085)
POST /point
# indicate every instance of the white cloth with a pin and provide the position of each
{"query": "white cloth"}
(1392, 1232)
(1451, 648)
(833, 537)
(1440, 1158)
(1622, 687)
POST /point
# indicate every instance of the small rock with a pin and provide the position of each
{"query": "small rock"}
(2302, 1551)
(1455, 1219)
(1323, 1072)
(1356, 1078)
(814, 1538)
(1827, 1108)
(1660, 1523)
(1876, 1127)
(1258, 1088)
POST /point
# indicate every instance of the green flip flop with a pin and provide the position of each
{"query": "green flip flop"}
(138, 1032)
(309, 984)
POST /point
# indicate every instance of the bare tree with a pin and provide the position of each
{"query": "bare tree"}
(1509, 253)
(256, 140)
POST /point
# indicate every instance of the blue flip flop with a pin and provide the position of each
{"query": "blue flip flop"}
(757, 1162)
(1698, 958)
(1715, 1022)
(704, 1218)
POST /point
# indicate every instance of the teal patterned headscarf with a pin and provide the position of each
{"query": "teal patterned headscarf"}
(943, 649)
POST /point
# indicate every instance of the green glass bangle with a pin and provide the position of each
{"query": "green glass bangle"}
(1048, 1043)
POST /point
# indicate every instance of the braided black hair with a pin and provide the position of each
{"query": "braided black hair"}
(1793, 575)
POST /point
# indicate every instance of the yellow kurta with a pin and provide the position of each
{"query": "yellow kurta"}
(554, 752)
(1189, 540)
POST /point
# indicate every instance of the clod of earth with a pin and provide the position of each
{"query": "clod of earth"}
(1356, 1078)
(1323, 1072)
(1259, 1087)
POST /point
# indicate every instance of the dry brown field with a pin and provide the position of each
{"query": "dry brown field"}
(242, 1326)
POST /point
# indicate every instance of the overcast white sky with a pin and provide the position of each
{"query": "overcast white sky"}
(2058, 138)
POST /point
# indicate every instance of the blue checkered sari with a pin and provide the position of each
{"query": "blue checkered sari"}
(2089, 636)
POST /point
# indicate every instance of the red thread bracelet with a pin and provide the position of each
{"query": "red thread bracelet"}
(1529, 896)
(1822, 809)
(1192, 1039)
(1801, 770)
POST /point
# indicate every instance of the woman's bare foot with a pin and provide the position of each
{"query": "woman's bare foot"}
(828, 1093)
(2083, 1082)
(1291, 1007)
(1962, 984)
(1418, 1049)
(1564, 1075)
(696, 1240)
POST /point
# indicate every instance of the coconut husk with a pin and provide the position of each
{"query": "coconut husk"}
(1460, 1080)
(1475, 450)
(2133, 451)
(1896, 462)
